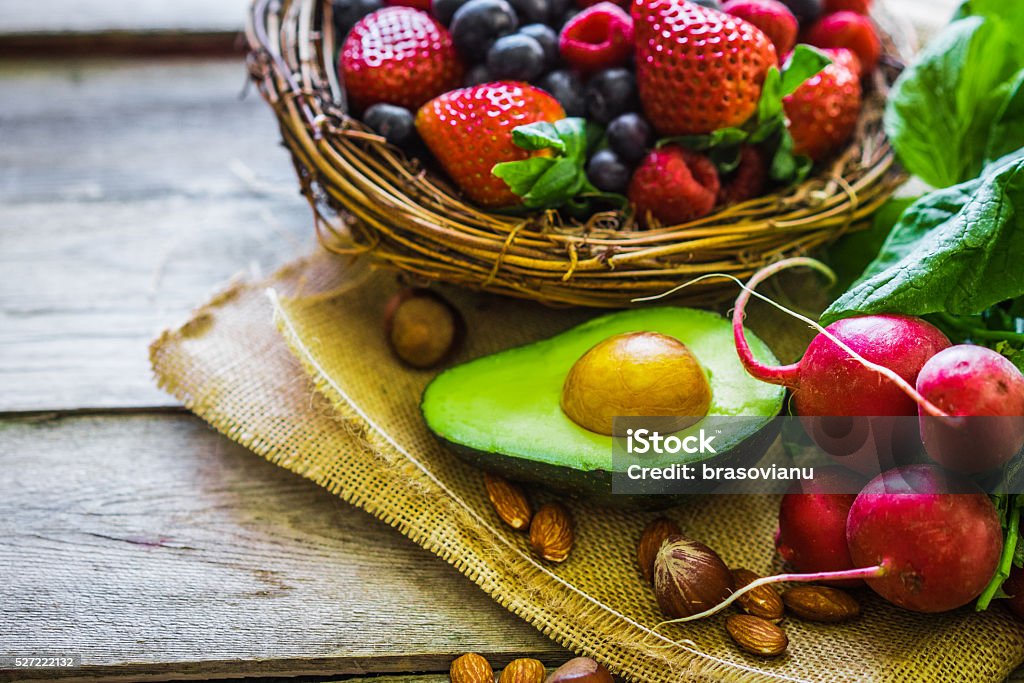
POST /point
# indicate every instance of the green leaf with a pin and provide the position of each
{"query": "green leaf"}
(521, 176)
(573, 134)
(850, 256)
(805, 62)
(539, 135)
(1015, 355)
(723, 137)
(559, 183)
(1007, 129)
(957, 251)
(787, 167)
(942, 109)
(769, 107)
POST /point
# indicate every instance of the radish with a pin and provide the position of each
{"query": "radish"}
(1014, 589)
(924, 541)
(939, 536)
(831, 380)
(812, 522)
(967, 380)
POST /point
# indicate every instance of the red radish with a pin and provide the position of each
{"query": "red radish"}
(812, 522)
(1014, 587)
(925, 541)
(940, 537)
(831, 380)
(988, 390)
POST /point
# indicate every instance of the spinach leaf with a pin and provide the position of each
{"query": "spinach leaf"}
(957, 251)
(934, 113)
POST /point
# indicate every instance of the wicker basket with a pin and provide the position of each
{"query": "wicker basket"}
(367, 197)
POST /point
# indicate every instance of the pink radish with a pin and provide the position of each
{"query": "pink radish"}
(829, 380)
(940, 537)
(920, 538)
(812, 522)
(972, 381)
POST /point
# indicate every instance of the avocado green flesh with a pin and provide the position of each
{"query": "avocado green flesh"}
(508, 403)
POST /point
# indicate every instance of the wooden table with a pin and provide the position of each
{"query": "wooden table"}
(130, 533)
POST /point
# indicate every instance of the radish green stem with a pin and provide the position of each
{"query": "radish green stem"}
(763, 274)
(979, 333)
(1006, 559)
(863, 573)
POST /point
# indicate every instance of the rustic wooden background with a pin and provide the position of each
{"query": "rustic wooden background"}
(130, 533)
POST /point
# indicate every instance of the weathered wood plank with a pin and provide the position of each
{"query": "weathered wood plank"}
(100, 16)
(127, 192)
(151, 545)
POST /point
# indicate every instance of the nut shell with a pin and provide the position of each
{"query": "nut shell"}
(652, 537)
(523, 671)
(821, 604)
(551, 533)
(471, 668)
(756, 635)
(580, 670)
(763, 601)
(422, 328)
(509, 501)
(689, 577)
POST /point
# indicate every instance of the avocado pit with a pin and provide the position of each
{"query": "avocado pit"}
(637, 374)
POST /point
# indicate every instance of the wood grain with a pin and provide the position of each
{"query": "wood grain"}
(128, 190)
(151, 545)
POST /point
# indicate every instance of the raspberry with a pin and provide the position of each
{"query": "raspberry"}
(748, 180)
(599, 37)
(674, 185)
(853, 31)
(772, 17)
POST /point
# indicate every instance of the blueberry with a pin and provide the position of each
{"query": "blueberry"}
(444, 10)
(610, 93)
(629, 136)
(560, 7)
(478, 23)
(532, 11)
(476, 75)
(805, 10)
(567, 16)
(548, 39)
(608, 172)
(516, 57)
(710, 4)
(394, 123)
(348, 12)
(566, 87)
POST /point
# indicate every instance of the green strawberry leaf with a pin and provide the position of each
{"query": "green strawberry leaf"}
(769, 107)
(723, 137)
(521, 176)
(549, 182)
(786, 167)
(805, 62)
(536, 136)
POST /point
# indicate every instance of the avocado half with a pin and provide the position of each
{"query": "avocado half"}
(502, 413)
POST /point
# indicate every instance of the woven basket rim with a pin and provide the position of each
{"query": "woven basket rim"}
(368, 198)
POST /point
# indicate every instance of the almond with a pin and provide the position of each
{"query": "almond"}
(651, 540)
(523, 671)
(471, 668)
(509, 502)
(551, 532)
(580, 670)
(756, 635)
(821, 603)
(763, 601)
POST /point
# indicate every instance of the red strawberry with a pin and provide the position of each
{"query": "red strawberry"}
(599, 37)
(772, 17)
(674, 185)
(845, 58)
(823, 111)
(398, 55)
(748, 180)
(470, 130)
(858, 6)
(697, 69)
(853, 31)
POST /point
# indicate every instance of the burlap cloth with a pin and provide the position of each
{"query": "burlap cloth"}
(361, 437)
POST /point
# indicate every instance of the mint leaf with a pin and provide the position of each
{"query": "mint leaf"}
(769, 107)
(957, 251)
(805, 62)
(573, 134)
(536, 136)
(559, 183)
(521, 176)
